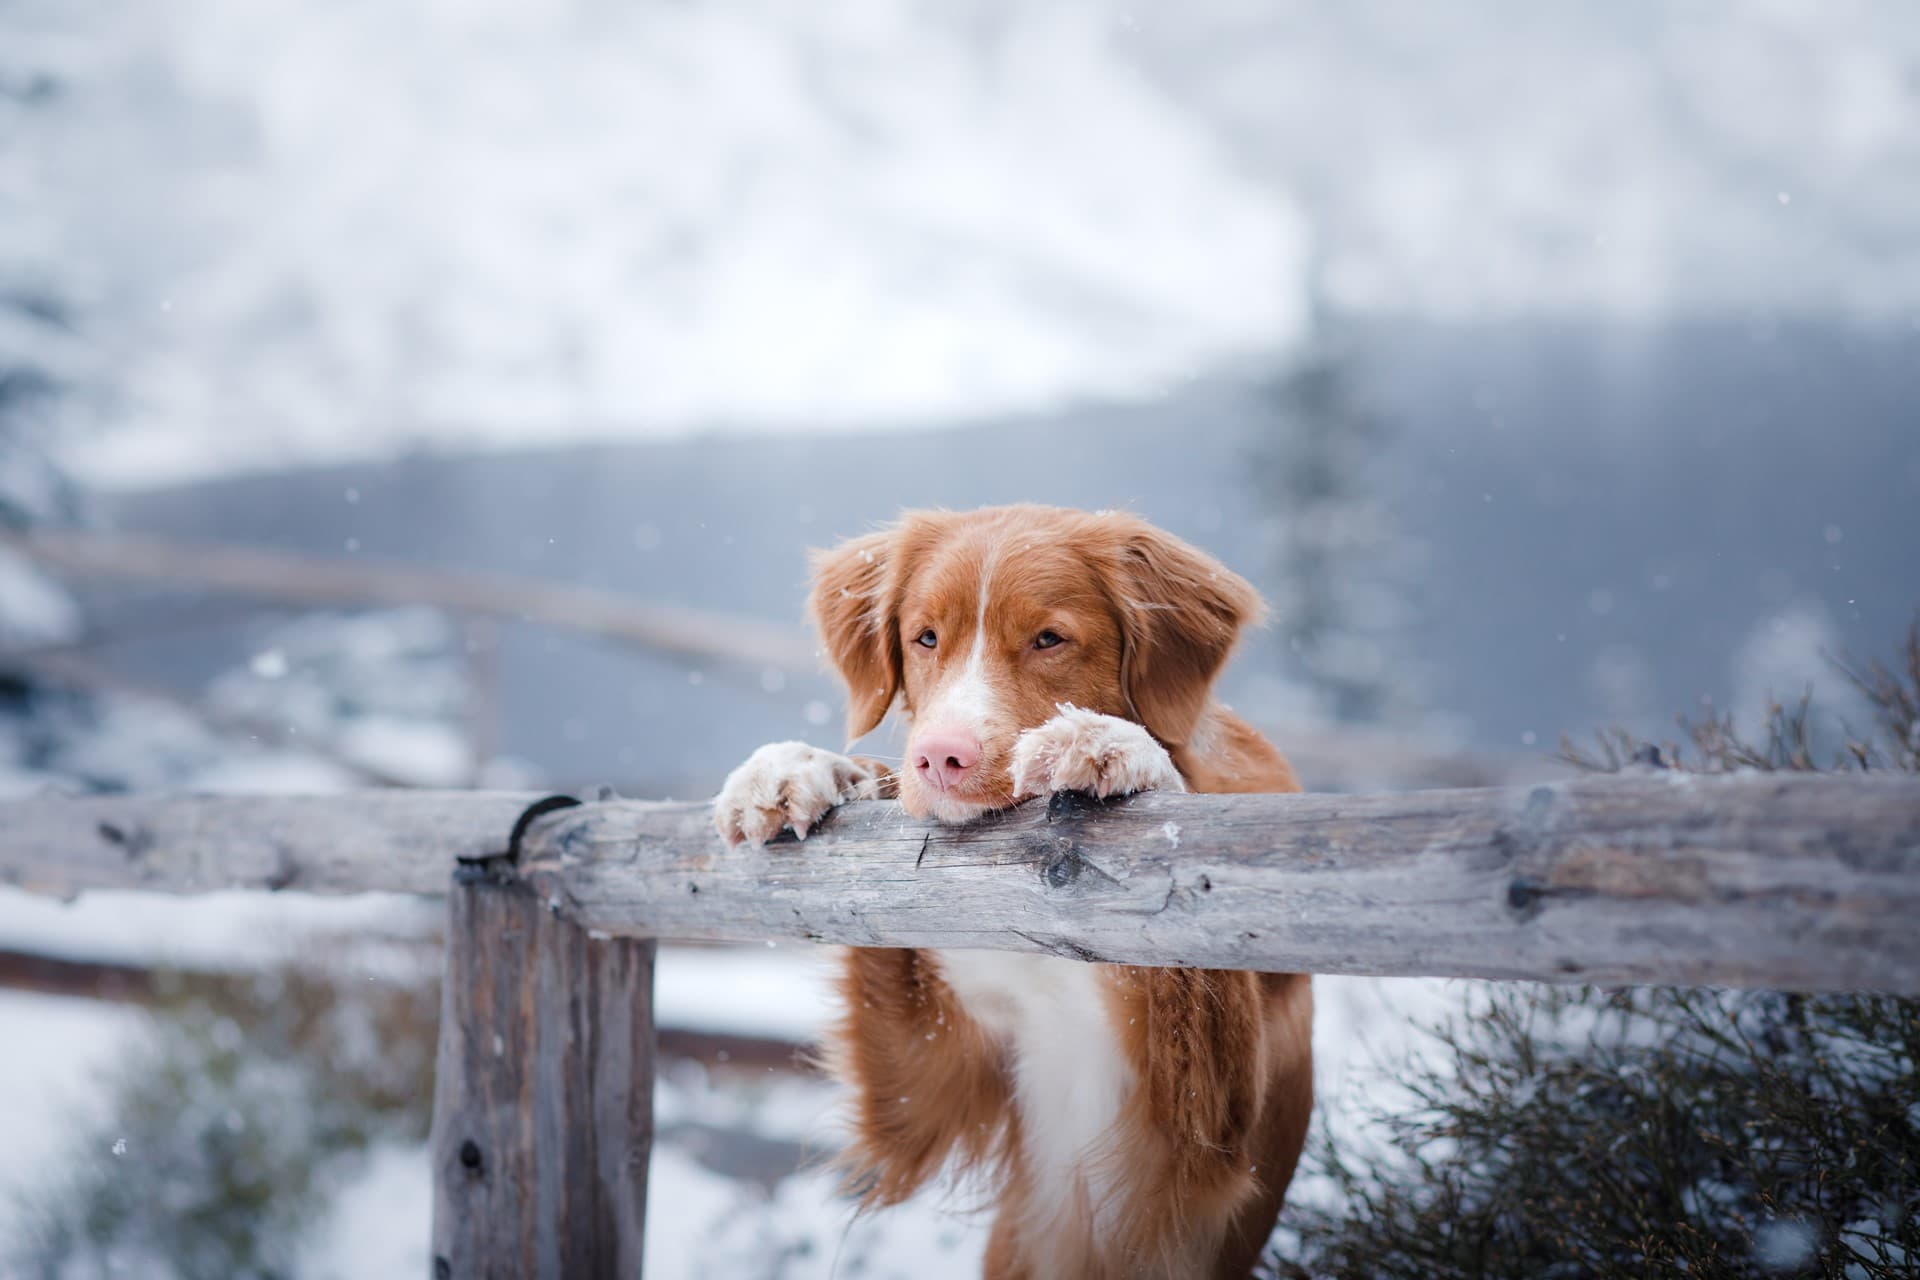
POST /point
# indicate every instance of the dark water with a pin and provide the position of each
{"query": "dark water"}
(1605, 516)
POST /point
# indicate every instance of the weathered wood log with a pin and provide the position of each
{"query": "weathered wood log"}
(1772, 880)
(543, 1092)
(368, 842)
(112, 980)
(1798, 881)
(86, 979)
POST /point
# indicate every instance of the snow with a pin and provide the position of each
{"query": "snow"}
(802, 1231)
(52, 1087)
(134, 743)
(746, 991)
(533, 223)
(783, 992)
(380, 1223)
(364, 230)
(705, 1218)
(34, 609)
(418, 754)
(212, 931)
(699, 1223)
(1785, 657)
(1365, 1032)
(1786, 1245)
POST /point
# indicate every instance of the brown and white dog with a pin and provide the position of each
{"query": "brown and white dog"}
(1129, 1121)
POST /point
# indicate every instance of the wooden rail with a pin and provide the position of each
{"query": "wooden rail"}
(542, 1119)
(1781, 880)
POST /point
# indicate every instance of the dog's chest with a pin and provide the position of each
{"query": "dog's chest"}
(1069, 1072)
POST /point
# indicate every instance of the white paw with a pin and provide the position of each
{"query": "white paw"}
(787, 784)
(1086, 751)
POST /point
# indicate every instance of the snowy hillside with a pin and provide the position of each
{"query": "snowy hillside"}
(304, 232)
(363, 227)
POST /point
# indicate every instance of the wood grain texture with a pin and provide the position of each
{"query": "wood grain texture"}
(543, 1096)
(1797, 881)
(1792, 881)
(368, 842)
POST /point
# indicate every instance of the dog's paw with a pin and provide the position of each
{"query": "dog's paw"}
(1086, 751)
(787, 784)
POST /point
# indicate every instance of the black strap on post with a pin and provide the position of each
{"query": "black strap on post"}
(488, 866)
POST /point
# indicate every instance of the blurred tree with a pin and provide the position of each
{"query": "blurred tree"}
(38, 354)
(1338, 565)
(385, 692)
(329, 701)
(53, 730)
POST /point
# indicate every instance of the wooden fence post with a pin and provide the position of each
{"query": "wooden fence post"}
(543, 1099)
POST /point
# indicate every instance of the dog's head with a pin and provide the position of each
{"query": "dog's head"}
(982, 623)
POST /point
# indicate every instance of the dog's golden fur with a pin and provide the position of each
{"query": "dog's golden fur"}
(1214, 1066)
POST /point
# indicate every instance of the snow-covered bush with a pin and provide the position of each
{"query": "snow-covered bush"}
(384, 692)
(232, 1124)
(1581, 1132)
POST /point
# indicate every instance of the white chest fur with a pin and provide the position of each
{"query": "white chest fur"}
(1070, 1075)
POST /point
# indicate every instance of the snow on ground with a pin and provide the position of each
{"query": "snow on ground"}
(55, 1050)
(802, 1231)
(380, 1222)
(782, 991)
(700, 1223)
(725, 1200)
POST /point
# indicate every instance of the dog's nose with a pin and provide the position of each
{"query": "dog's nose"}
(945, 757)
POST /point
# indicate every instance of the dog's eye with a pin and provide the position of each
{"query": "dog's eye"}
(1046, 640)
(927, 638)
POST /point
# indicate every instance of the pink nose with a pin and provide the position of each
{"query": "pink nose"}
(945, 757)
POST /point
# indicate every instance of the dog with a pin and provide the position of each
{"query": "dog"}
(1126, 1121)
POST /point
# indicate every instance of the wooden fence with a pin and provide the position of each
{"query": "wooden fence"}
(543, 1102)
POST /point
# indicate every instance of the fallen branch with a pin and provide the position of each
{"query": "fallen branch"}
(311, 580)
(121, 983)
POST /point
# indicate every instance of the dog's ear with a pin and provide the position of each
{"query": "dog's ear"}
(853, 605)
(1180, 613)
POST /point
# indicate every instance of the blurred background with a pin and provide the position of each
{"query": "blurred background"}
(445, 394)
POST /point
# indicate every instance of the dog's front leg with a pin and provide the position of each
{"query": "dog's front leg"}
(928, 1083)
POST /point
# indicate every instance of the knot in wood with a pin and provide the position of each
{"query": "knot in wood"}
(1061, 870)
(1065, 806)
(134, 843)
(1523, 897)
(471, 1159)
